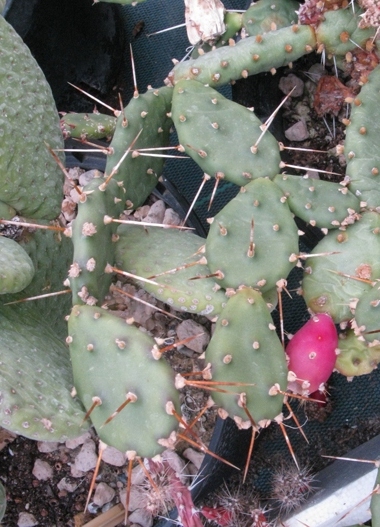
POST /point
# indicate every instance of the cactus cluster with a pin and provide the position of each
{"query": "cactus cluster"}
(119, 376)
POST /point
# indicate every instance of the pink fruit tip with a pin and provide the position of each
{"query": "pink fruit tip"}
(312, 354)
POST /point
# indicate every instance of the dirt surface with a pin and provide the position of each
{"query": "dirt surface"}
(49, 502)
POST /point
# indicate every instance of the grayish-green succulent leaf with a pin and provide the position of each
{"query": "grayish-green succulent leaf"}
(3, 501)
(36, 380)
(16, 267)
(30, 180)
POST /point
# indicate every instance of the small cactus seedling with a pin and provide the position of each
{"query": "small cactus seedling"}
(312, 354)
(291, 486)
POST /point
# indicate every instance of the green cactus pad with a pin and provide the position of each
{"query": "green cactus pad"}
(206, 122)
(320, 203)
(339, 31)
(30, 179)
(147, 115)
(150, 251)
(362, 145)
(16, 268)
(367, 315)
(233, 23)
(249, 56)
(329, 284)
(252, 238)
(269, 15)
(51, 254)
(36, 380)
(356, 357)
(87, 125)
(93, 240)
(6, 211)
(111, 359)
(245, 349)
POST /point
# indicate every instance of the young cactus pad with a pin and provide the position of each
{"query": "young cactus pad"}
(245, 349)
(252, 239)
(145, 121)
(321, 203)
(87, 125)
(220, 135)
(113, 361)
(269, 15)
(367, 316)
(355, 356)
(94, 247)
(339, 31)
(174, 251)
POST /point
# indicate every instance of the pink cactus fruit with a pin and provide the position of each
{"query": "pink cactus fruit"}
(312, 354)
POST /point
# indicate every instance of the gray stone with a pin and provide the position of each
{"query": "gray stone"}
(289, 82)
(42, 470)
(87, 457)
(25, 519)
(190, 328)
(297, 132)
(103, 494)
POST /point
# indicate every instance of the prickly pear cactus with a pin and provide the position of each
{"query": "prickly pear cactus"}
(197, 107)
(251, 357)
(362, 138)
(30, 180)
(348, 264)
(114, 362)
(144, 123)
(17, 269)
(267, 15)
(252, 229)
(176, 265)
(35, 380)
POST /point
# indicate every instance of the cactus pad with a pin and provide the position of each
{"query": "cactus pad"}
(252, 230)
(110, 360)
(169, 249)
(245, 349)
(30, 180)
(17, 269)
